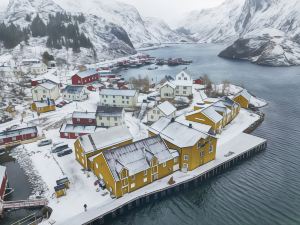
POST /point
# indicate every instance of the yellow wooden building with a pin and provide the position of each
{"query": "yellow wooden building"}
(195, 147)
(243, 98)
(90, 145)
(128, 168)
(43, 106)
(207, 115)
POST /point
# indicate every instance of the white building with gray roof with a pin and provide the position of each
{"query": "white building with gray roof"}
(119, 98)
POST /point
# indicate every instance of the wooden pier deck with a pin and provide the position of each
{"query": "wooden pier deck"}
(230, 153)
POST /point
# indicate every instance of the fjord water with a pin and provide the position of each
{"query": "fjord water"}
(264, 190)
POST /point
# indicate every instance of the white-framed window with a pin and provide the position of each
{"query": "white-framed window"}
(186, 157)
(202, 154)
(132, 177)
(152, 117)
(90, 120)
(176, 160)
(164, 164)
(32, 135)
(78, 120)
(14, 138)
(145, 172)
(145, 180)
(132, 185)
(211, 149)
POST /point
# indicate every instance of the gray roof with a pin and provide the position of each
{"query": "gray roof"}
(117, 92)
(136, 157)
(84, 115)
(177, 133)
(73, 89)
(105, 138)
(21, 131)
(109, 111)
(73, 128)
(87, 73)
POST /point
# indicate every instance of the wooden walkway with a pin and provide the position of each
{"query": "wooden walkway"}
(24, 204)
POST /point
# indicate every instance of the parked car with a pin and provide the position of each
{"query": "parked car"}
(59, 105)
(102, 184)
(59, 148)
(57, 143)
(151, 98)
(65, 152)
(45, 142)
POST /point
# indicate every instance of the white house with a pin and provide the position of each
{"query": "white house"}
(75, 93)
(167, 90)
(184, 84)
(165, 109)
(119, 98)
(46, 90)
(38, 68)
(107, 116)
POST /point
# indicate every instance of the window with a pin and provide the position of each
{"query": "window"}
(211, 149)
(200, 145)
(100, 117)
(116, 124)
(114, 101)
(202, 154)
(116, 118)
(185, 157)
(176, 160)
(145, 172)
(127, 97)
(114, 96)
(164, 164)
(32, 135)
(152, 117)
(127, 102)
(14, 138)
(108, 118)
(185, 78)
(184, 92)
(145, 180)
(78, 120)
(184, 88)
(132, 177)
(35, 91)
(90, 120)
(132, 185)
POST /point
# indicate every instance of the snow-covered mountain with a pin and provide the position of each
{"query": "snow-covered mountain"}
(263, 31)
(113, 28)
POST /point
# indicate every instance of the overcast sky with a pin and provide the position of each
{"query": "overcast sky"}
(169, 10)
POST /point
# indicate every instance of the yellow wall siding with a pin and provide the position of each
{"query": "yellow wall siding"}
(244, 103)
(43, 109)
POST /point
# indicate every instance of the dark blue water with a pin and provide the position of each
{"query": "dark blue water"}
(264, 190)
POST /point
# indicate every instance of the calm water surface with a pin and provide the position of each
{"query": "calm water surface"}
(264, 190)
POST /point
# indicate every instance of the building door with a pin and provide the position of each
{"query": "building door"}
(124, 182)
(185, 167)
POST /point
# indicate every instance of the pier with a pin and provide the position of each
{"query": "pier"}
(231, 153)
(21, 204)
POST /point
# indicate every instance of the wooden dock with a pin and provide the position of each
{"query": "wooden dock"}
(239, 150)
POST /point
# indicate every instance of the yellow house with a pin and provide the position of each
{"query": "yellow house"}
(207, 116)
(89, 145)
(243, 98)
(43, 106)
(128, 168)
(233, 106)
(195, 147)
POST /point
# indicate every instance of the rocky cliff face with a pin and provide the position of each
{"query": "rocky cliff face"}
(253, 26)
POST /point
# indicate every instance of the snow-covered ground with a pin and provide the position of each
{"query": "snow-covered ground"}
(44, 168)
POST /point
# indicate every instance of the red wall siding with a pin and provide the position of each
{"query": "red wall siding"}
(84, 121)
(3, 186)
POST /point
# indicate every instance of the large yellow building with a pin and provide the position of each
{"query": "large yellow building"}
(90, 145)
(128, 168)
(243, 98)
(195, 146)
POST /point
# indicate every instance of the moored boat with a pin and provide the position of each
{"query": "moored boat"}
(3, 181)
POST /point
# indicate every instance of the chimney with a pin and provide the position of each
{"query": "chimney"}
(190, 125)
(172, 120)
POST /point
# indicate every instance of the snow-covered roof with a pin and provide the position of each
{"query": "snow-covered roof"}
(177, 133)
(136, 157)
(117, 92)
(38, 65)
(198, 126)
(73, 89)
(211, 113)
(167, 108)
(47, 77)
(2, 172)
(109, 111)
(211, 100)
(229, 102)
(183, 79)
(245, 94)
(84, 115)
(105, 138)
(87, 73)
(47, 85)
(71, 128)
(168, 84)
(14, 133)
(185, 83)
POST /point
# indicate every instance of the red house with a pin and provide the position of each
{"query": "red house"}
(10, 136)
(85, 77)
(198, 81)
(73, 131)
(84, 118)
(3, 181)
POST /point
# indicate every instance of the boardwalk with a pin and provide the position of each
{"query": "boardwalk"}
(24, 204)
